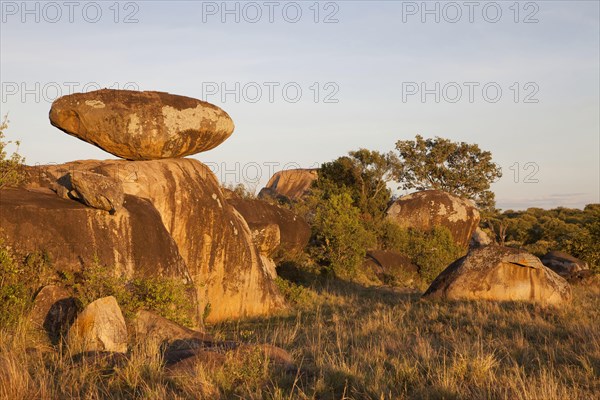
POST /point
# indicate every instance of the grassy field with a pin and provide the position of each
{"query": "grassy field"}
(351, 342)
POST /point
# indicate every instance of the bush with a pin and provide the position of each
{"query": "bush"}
(11, 167)
(167, 297)
(432, 251)
(19, 280)
(340, 240)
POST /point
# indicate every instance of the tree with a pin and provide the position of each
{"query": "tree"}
(459, 168)
(11, 167)
(365, 174)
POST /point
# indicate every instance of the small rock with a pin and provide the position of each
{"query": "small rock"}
(150, 326)
(98, 191)
(564, 264)
(99, 327)
(54, 309)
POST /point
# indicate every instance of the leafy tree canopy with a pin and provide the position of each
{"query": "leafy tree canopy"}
(456, 167)
(364, 174)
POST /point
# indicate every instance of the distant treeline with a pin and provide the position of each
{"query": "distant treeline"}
(573, 231)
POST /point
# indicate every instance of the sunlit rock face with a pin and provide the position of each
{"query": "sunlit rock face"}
(430, 208)
(175, 221)
(499, 273)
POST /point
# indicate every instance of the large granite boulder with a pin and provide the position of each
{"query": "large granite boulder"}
(213, 239)
(294, 232)
(290, 184)
(142, 125)
(99, 327)
(564, 264)
(133, 242)
(499, 273)
(433, 208)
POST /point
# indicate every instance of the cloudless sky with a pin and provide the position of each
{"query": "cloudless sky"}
(361, 68)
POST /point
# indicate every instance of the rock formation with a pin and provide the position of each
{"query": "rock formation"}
(430, 208)
(168, 218)
(289, 184)
(294, 232)
(142, 125)
(499, 273)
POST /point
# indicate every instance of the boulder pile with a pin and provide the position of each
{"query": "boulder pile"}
(152, 215)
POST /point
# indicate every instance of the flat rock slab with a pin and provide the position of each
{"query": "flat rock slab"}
(142, 125)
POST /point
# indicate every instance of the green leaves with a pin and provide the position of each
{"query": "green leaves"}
(459, 168)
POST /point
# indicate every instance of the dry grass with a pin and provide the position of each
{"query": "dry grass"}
(351, 342)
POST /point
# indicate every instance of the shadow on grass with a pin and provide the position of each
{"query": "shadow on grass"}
(329, 283)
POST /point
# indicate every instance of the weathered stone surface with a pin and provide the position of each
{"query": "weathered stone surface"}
(430, 208)
(133, 242)
(54, 310)
(142, 125)
(294, 232)
(211, 236)
(499, 273)
(563, 264)
(390, 265)
(266, 237)
(98, 191)
(290, 184)
(99, 327)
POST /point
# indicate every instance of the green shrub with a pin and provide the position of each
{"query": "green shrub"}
(19, 280)
(432, 251)
(340, 240)
(11, 167)
(167, 297)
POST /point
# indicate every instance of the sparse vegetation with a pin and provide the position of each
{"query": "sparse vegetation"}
(11, 167)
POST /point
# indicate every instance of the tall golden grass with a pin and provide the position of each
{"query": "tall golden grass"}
(350, 342)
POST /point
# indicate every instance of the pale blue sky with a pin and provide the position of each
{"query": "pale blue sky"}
(374, 51)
